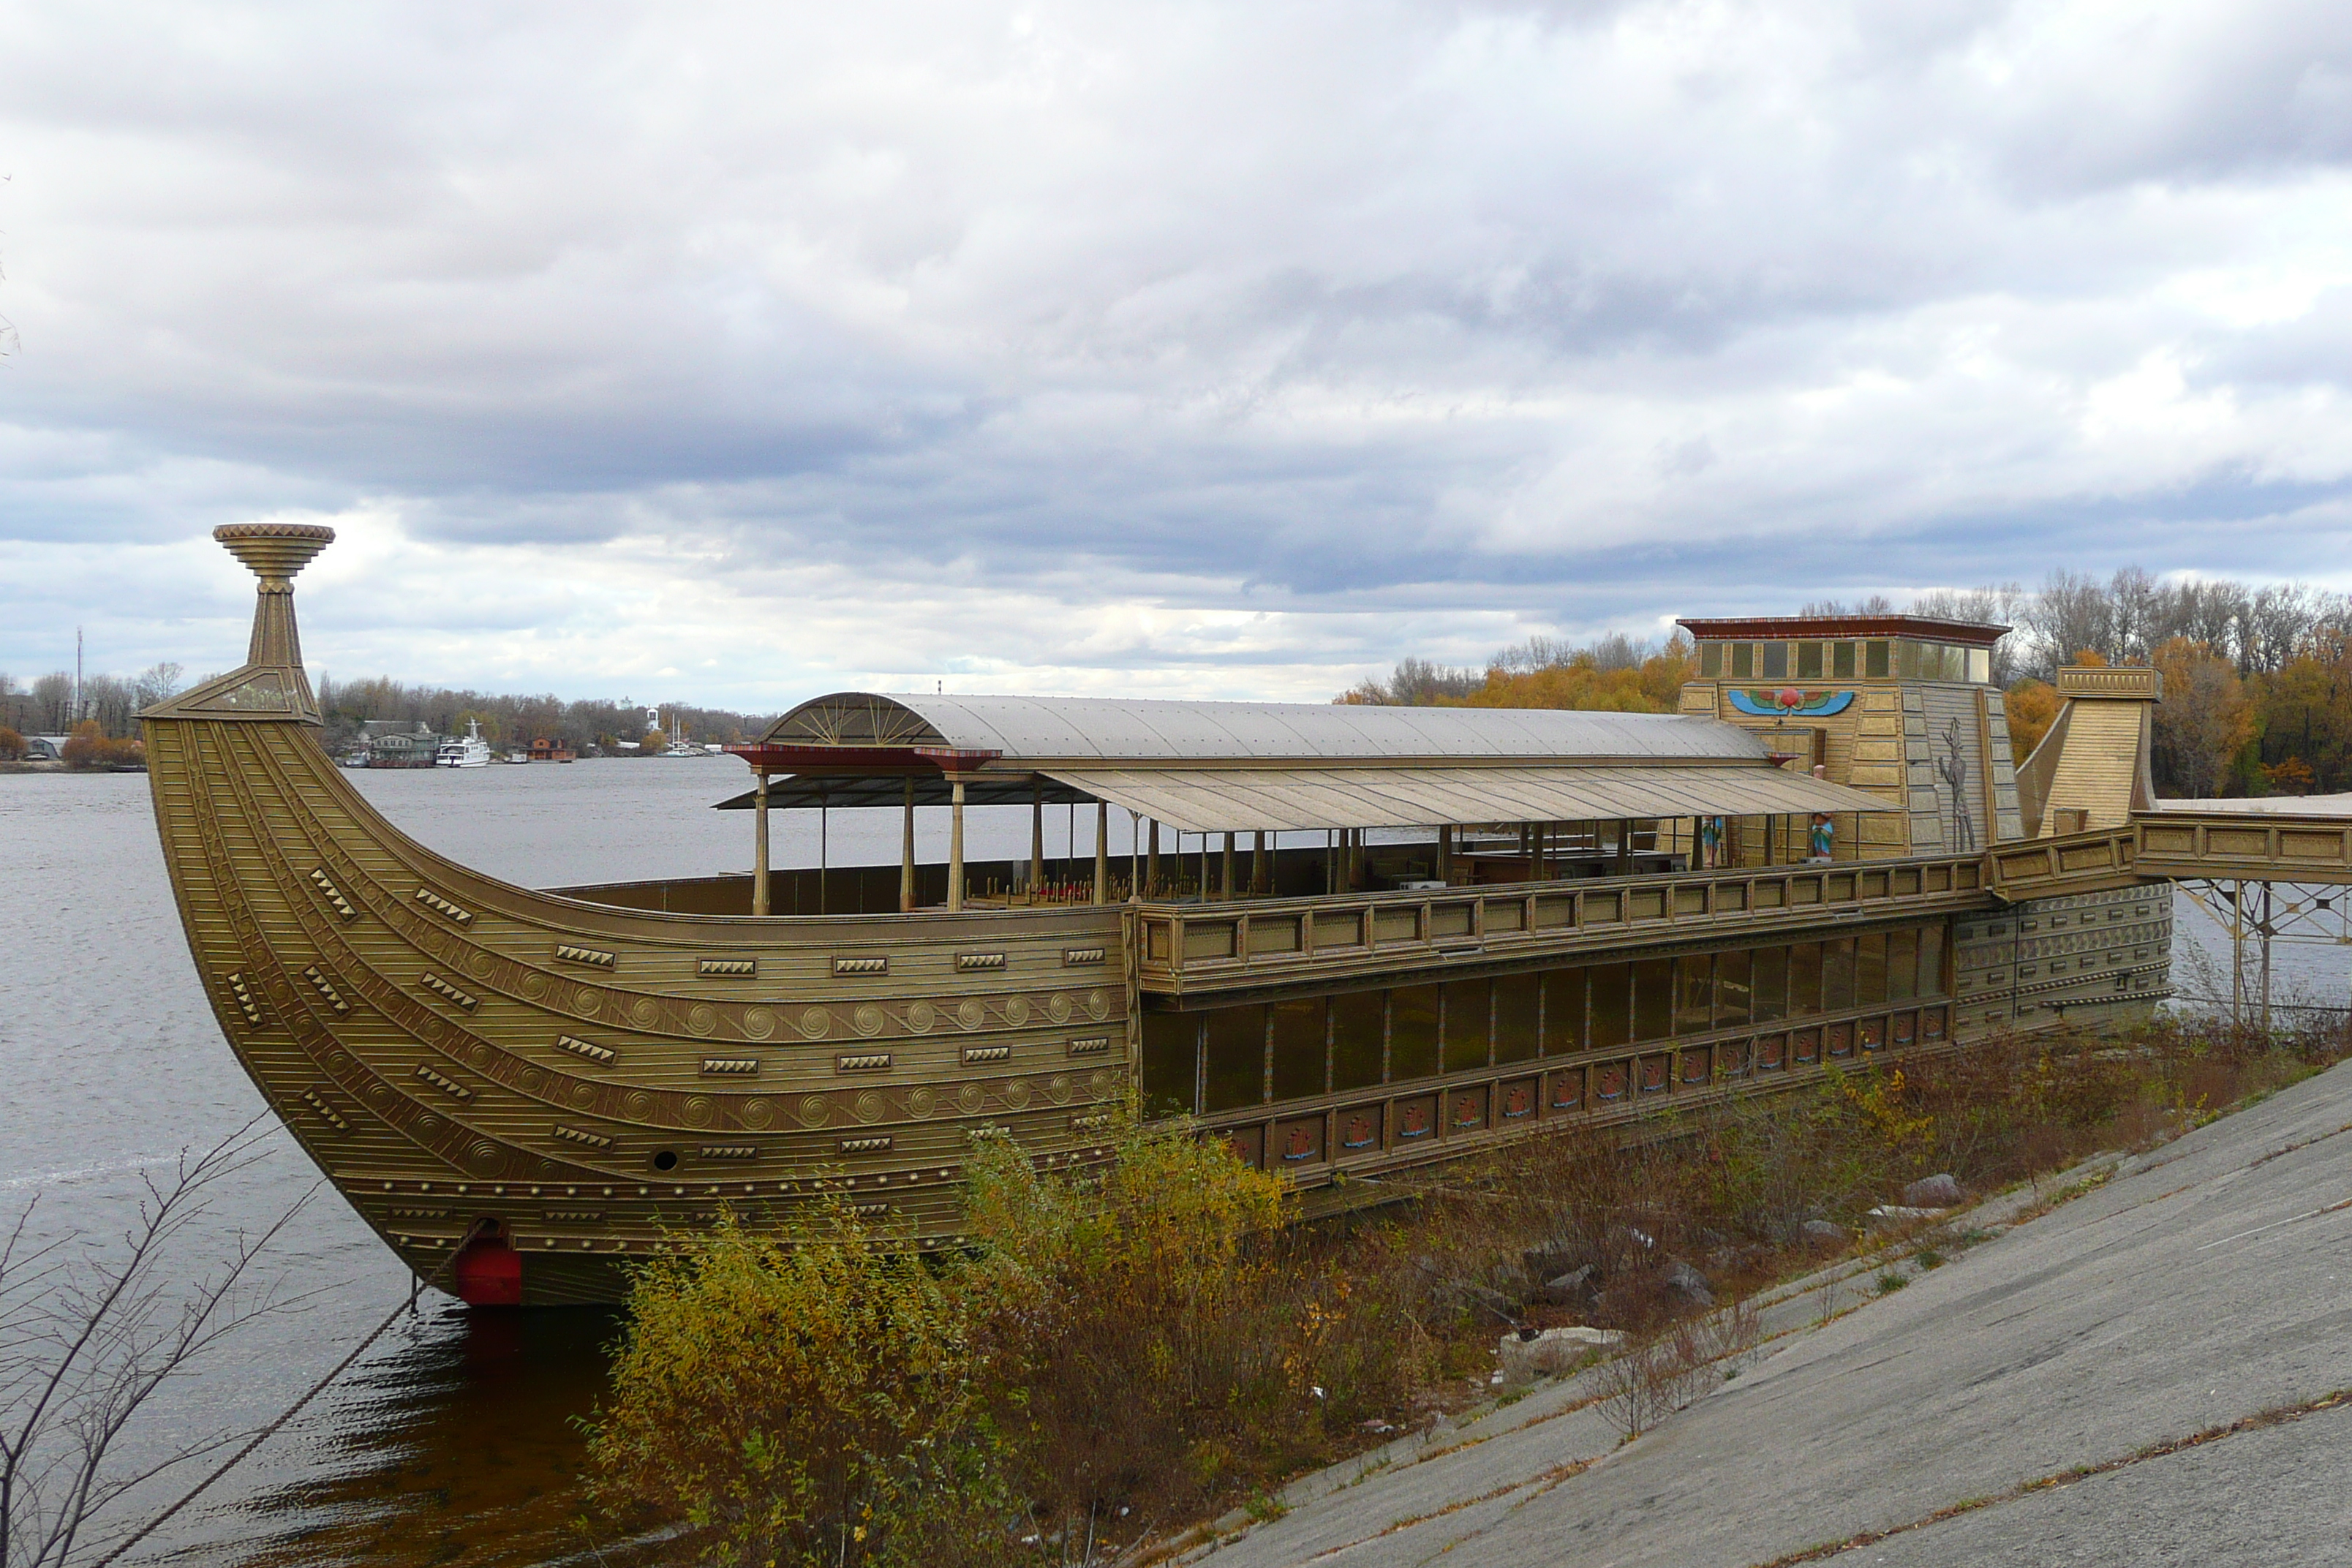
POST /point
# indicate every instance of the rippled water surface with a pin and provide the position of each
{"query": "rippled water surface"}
(451, 1441)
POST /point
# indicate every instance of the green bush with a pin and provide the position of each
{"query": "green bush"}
(799, 1397)
(1140, 1322)
(1124, 1344)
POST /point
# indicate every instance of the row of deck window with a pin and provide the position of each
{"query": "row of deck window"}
(1875, 659)
(1225, 1058)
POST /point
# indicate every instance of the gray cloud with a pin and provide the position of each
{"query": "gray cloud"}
(1406, 328)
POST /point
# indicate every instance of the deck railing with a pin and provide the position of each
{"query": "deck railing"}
(2247, 846)
(1192, 948)
(2173, 845)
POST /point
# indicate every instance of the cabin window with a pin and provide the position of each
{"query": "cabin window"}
(1300, 1038)
(1469, 1012)
(1233, 1068)
(1412, 1032)
(1906, 659)
(1980, 666)
(1770, 967)
(1743, 660)
(1776, 661)
(1809, 660)
(1693, 994)
(1518, 1005)
(1563, 1020)
(1358, 1026)
(1710, 660)
(1870, 971)
(1172, 1043)
(1842, 660)
(1837, 976)
(1731, 990)
(1875, 665)
(1804, 979)
(1931, 961)
(1612, 1005)
(1654, 999)
(1902, 965)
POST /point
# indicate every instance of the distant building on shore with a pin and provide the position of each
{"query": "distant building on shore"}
(388, 744)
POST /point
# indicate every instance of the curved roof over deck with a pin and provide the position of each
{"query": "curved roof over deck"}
(1031, 731)
(1241, 766)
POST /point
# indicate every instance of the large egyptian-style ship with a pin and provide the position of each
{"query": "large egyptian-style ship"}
(1379, 937)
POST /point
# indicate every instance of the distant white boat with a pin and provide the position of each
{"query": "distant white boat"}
(681, 749)
(518, 756)
(469, 751)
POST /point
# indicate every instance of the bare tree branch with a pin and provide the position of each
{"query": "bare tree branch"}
(90, 1332)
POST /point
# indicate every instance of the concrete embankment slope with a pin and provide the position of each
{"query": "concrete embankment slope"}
(2209, 1282)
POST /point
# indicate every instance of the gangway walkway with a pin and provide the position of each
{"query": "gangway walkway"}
(2266, 872)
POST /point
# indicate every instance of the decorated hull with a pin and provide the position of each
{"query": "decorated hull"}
(555, 1086)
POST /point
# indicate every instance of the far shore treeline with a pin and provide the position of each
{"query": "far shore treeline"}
(2257, 682)
(110, 704)
(509, 720)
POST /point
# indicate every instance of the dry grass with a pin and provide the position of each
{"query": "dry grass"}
(1128, 1353)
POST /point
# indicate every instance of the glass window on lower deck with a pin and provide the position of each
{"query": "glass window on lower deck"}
(1804, 979)
(1902, 965)
(1710, 660)
(1693, 994)
(1299, 1065)
(1842, 660)
(1931, 961)
(1563, 1009)
(1359, 1022)
(1232, 1068)
(1468, 1011)
(1171, 1043)
(1837, 976)
(1732, 989)
(1412, 1032)
(1769, 977)
(1776, 661)
(1809, 660)
(1518, 1000)
(1612, 1005)
(1654, 999)
(1869, 970)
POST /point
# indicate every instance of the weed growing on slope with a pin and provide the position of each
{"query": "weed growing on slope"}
(1156, 1340)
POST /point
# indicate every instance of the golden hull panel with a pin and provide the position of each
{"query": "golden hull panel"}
(459, 1054)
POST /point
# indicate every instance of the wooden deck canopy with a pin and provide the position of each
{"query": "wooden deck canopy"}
(1241, 800)
(1238, 767)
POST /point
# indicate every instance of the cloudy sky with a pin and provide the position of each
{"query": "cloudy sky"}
(735, 353)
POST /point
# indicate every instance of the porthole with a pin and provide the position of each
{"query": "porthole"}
(666, 1160)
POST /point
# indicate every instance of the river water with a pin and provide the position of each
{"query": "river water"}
(452, 1441)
